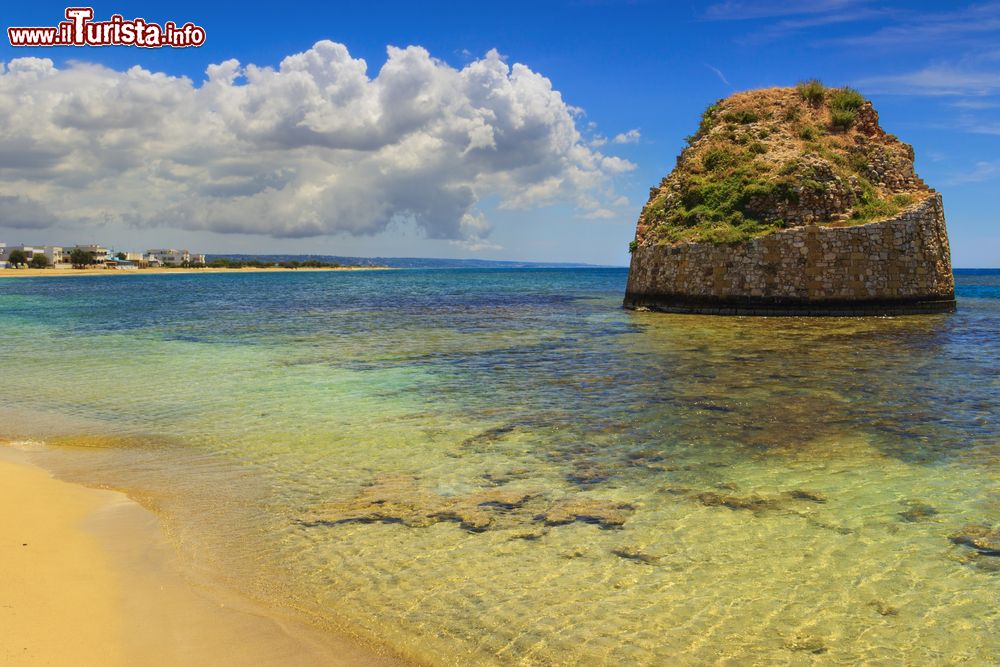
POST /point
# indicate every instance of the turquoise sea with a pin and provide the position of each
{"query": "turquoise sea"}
(482, 467)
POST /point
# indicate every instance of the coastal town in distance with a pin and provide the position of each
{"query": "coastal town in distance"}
(78, 256)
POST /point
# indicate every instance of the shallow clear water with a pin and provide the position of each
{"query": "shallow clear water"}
(482, 467)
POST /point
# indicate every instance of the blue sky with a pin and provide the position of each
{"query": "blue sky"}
(640, 72)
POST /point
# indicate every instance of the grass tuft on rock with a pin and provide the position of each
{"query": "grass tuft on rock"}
(812, 91)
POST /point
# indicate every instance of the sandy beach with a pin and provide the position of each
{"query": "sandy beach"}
(87, 578)
(55, 273)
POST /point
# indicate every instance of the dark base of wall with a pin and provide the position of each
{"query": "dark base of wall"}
(673, 303)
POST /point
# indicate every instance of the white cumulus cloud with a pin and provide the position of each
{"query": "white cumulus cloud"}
(315, 146)
(630, 137)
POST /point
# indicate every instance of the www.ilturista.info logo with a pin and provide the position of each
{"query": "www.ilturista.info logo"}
(80, 30)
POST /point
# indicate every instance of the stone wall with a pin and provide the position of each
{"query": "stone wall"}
(809, 205)
(900, 265)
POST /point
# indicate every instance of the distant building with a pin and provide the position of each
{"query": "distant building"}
(120, 264)
(139, 259)
(100, 252)
(55, 255)
(171, 257)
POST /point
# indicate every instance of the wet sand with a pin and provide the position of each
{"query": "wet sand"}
(55, 273)
(87, 578)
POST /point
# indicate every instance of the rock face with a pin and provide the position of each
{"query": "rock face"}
(402, 499)
(792, 201)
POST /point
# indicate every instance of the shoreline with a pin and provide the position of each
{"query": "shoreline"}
(62, 273)
(88, 577)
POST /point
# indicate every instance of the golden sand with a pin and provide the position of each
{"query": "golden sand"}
(86, 578)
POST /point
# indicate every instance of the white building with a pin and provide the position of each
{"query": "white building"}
(55, 255)
(100, 252)
(171, 257)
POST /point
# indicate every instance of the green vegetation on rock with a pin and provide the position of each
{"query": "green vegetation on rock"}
(768, 159)
(844, 105)
(811, 91)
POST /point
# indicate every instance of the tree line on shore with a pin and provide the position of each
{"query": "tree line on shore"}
(19, 258)
(78, 258)
(222, 263)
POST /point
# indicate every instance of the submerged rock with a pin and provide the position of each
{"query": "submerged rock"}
(751, 503)
(882, 608)
(811, 496)
(574, 553)
(605, 514)
(980, 562)
(488, 437)
(646, 455)
(587, 473)
(840, 530)
(917, 511)
(984, 539)
(755, 503)
(530, 535)
(806, 644)
(400, 499)
(636, 554)
(388, 499)
(504, 499)
(507, 476)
